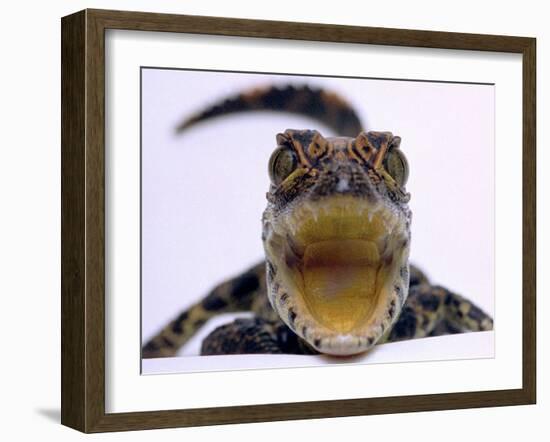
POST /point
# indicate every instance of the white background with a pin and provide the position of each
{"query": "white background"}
(30, 234)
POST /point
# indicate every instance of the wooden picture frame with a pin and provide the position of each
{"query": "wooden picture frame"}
(83, 220)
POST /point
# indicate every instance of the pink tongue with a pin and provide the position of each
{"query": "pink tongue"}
(340, 282)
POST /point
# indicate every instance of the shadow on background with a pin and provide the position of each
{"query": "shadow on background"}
(52, 414)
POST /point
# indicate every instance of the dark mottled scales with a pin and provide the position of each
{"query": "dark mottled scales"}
(151, 346)
(476, 314)
(199, 322)
(167, 342)
(245, 285)
(304, 137)
(214, 303)
(251, 336)
(406, 325)
(177, 326)
(429, 302)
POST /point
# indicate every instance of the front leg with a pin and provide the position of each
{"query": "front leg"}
(435, 311)
(253, 335)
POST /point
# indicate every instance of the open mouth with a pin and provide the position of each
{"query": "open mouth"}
(339, 258)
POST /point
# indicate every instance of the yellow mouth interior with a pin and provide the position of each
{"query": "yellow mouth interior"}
(339, 281)
(338, 258)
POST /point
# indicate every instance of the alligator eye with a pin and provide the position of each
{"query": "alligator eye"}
(282, 163)
(397, 166)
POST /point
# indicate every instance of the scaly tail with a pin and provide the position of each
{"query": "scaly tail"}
(324, 106)
(236, 294)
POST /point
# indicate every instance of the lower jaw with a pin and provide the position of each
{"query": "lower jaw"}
(346, 338)
(344, 346)
(343, 297)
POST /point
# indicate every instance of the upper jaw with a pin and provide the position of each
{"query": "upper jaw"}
(339, 260)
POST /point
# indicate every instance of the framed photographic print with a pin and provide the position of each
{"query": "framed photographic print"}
(270, 220)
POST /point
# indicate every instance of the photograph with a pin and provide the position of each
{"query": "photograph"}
(305, 220)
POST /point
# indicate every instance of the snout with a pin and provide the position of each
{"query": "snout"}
(345, 179)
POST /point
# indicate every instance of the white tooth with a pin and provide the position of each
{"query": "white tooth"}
(292, 226)
(374, 211)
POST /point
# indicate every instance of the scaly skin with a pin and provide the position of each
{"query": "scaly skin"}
(336, 234)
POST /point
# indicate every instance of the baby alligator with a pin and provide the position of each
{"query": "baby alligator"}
(336, 233)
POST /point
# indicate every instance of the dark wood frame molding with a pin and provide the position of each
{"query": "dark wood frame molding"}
(83, 215)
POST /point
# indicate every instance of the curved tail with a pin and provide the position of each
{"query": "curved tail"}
(321, 105)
